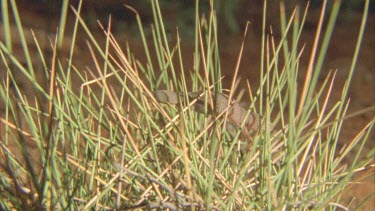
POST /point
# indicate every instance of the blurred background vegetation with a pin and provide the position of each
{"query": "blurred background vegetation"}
(232, 15)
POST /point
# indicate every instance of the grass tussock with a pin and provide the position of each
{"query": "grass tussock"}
(97, 138)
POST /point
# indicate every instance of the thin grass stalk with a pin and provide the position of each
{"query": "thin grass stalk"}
(309, 73)
(324, 47)
(150, 69)
(22, 38)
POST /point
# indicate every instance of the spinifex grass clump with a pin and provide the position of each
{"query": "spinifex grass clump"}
(98, 138)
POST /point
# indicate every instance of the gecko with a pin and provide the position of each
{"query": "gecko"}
(236, 113)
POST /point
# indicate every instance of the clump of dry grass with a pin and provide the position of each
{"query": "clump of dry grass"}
(110, 145)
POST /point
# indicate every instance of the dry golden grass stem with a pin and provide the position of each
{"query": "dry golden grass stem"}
(310, 67)
(318, 121)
